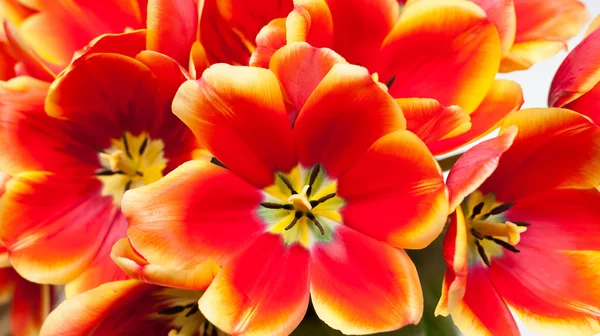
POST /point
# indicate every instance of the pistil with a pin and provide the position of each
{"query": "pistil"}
(507, 230)
(300, 201)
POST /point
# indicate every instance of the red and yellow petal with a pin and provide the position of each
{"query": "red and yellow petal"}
(32, 64)
(564, 219)
(168, 19)
(502, 14)
(554, 148)
(245, 106)
(553, 292)
(38, 224)
(578, 74)
(504, 97)
(350, 17)
(132, 263)
(30, 306)
(447, 50)
(128, 44)
(482, 310)
(300, 68)
(262, 290)
(311, 22)
(588, 104)
(398, 185)
(361, 286)
(476, 165)
(431, 121)
(523, 55)
(126, 307)
(197, 212)
(346, 93)
(270, 39)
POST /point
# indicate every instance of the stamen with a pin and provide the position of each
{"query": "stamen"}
(390, 82)
(313, 177)
(128, 185)
(270, 205)
(482, 254)
(143, 146)
(192, 311)
(314, 203)
(503, 244)
(525, 224)
(126, 145)
(108, 173)
(477, 209)
(118, 162)
(287, 183)
(171, 310)
(316, 222)
(476, 234)
(297, 216)
(501, 208)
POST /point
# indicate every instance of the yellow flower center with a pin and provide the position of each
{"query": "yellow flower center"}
(490, 234)
(307, 216)
(132, 161)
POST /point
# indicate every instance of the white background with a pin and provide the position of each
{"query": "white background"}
(536, 82)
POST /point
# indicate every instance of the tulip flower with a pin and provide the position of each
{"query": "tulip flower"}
(524, 232)
(321, 209)
(416, 57)
(130, 307)
(74, 147)
(43, 35)
(576, 83)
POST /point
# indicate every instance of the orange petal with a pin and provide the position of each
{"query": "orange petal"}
(198, 60)
(361, 286)
(554, 148)
(595, 24)
(346, 93)
(311, 22)
(172, 18)
(540, 19)
(23, 53)
(588, 104)
(31, 305)
(126, 307)
(502, 14)
(398, 185)
(551, 291)
(39, 223)
(563, 219)
(350, 17)
(14, 11)
(447, 50)
(129, 44)
(300, 68)
(482, 311)
(431, 121)
(245, 106)
(196, 278)
(504, 97)
(270, 38)
(578, 74)
(476, 165)
(262, 290)
(525, 54)
(179, 221)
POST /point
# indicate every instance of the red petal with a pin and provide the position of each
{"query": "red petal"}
(346, 93)
(120, 308)
(350, 18)
(560, 219)
(398, 185)
(172, 18)
(476, 165)
(300, 68)
(196, 278)
(504, 97)
(23, 53)
(448, 51)
(198, 211)
(39, 224)
(552, 291)
(502, 15)
(262, 290)
(311, 22)
(360, 285)
(270, 38)
(554, 148)
(245, 106)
